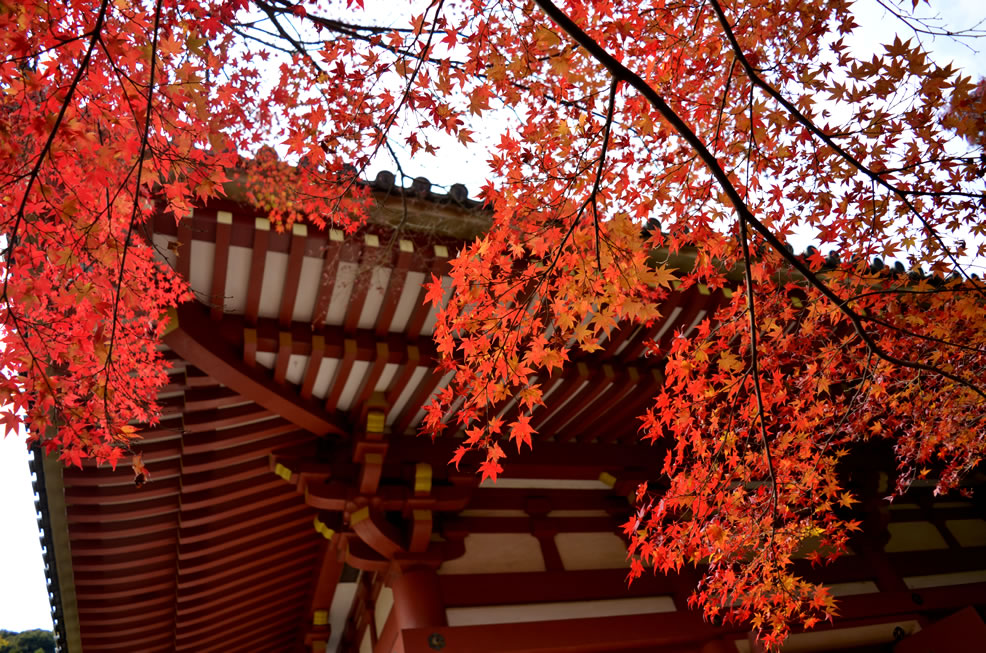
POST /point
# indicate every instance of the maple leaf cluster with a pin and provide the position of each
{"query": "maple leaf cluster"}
(727, 128)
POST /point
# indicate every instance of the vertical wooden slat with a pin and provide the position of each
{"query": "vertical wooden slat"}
(414, 403)
(337, 251)
(217, 299)
(370, 382)
(299, 234)
(283, 356)
(250, 346)
(403, 375)
(439, 268)
(550, 418)
(583, 405)
(184, 251)
(361, 284)
(395, 287)
(624, 383)
(314, 364)
(261, 238)
(341, 375)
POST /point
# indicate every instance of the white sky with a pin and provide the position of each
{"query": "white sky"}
(23, 596)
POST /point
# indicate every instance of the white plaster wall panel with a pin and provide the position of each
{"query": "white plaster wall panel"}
(945, 580)
(296, 368)
(376, 282)
(405, 395)
(308, 285)
(266, 358)
(969, 532)
(272, 288)
(914, 536)
(353, 383)
(406, 305)
(389, 370)
(163, 251)
(853, 588)
(342, 601)
(326, 371)
(592, 550)
(563, 610)
(490, 553)
(345, 276)
(429, 325)
(366, 646)
(200, 269)
(237, 278)
(381, 609)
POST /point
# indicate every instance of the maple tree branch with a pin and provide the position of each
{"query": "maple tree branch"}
(36, 170)
(755, 371)
(907, 291)
(921, 336)
(754, 350)
(107, 366)
(722, 103)
(602, 164)
(805, 122)
(921, 25)
(621, 72)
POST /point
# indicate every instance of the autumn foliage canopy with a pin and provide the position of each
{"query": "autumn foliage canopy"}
(620, 130)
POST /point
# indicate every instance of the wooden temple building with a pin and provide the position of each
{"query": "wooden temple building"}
(292, 508)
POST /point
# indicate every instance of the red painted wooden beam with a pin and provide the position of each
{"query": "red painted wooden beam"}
(313, 366)
(193, 337)
(361, 283)
(395, 286)
(341, 377)
(258, 262)
(655, 632)
(468, 590)
(625, 383)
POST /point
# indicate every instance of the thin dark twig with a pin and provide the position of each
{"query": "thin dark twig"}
(136, 207)
(624, 74)
(902, 194)
(602, 164)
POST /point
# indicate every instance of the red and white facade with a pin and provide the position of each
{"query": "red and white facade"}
(291, 506)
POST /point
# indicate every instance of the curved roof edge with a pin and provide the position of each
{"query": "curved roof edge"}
(55, 550)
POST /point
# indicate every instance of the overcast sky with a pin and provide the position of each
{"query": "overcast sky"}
(23, 597)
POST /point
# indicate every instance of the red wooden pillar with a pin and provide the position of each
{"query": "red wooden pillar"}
(418, 601)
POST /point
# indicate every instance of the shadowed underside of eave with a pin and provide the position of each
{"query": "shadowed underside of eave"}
(293, 339)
